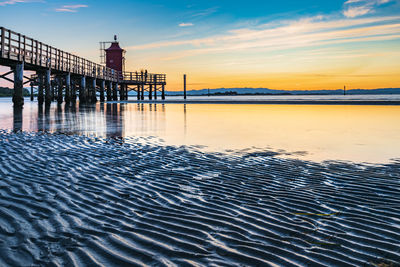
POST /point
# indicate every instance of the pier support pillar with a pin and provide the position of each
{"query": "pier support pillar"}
(93, 97)
(82, 90)
(115, 92)
(184, 86)
(142, 93)
(138, 92)
(102, 86)
(32, 97)
(18, 97)
(60, 89)
(47, 87)
(121, 92)
(53, 90)
(68, 88)
(150, 92)
(73, 91)
(109, 88)
(155, 87)
(40, 88)
(163, 92)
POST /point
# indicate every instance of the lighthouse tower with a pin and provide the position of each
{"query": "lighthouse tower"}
(115, 56)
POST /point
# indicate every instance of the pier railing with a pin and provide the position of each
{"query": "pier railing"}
(17, 47)
(143, 77)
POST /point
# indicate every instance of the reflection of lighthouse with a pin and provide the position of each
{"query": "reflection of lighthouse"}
(115, 56)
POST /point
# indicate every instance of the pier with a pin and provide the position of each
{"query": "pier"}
(61, 76)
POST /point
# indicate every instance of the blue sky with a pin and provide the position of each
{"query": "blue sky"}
(214, 41)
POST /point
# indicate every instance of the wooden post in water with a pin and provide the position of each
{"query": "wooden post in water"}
(121, 92)
(53, 91)
(109, 88)
(93, 98)
(150, 91)
(138, 92)
(344, 90)
(184, 86)
(18, 97)
(68, 88)
(32, 97)
(60, 89)
(142, 94)
(115, 92)
(102, 86)
(40, 88)
(163, 92)
(47, 86)
(82, 90)
(73, 90)
(155, 86)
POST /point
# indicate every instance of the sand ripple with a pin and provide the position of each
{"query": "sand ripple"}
(79, 201)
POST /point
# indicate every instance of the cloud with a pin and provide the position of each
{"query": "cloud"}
(70, 8)
(13, 2)
(357, 11)
(277, 36)
(356, 8)
(205, 12)
(186, 24)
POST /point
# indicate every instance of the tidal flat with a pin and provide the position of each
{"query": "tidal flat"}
(107, 185)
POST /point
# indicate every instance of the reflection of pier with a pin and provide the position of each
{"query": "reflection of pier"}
(62, 76)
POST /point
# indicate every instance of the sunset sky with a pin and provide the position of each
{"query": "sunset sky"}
(283, 44)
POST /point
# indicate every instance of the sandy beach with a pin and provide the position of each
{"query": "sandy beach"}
(81, 201)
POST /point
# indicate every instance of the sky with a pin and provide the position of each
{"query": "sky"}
(277, 44)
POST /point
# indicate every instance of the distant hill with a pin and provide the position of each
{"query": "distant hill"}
(7, 92)
(267, 91)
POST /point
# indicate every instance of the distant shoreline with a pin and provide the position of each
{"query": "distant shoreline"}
(270, 102)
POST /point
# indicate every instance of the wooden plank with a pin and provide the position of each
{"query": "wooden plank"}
(7, 79)
(19, 46)
(36, 52)
(3, 41)
(41, 53)
(47, 57)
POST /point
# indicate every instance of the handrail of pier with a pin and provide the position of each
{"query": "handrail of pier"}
(143, 77)
(17, 47)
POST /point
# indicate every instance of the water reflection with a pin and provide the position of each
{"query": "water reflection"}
(356, 133)
(17, 119)
(103, 120)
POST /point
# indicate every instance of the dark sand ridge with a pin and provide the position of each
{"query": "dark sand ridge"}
(80, 201)
(269, 102)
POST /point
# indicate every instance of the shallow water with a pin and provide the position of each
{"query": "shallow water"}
(311, 132)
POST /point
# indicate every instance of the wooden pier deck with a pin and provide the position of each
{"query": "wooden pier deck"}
(63, 76)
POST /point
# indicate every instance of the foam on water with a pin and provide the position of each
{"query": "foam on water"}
(81, 201)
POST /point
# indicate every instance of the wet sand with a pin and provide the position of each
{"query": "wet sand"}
(80, 201)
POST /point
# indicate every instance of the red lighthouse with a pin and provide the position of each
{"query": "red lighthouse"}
(115, 56)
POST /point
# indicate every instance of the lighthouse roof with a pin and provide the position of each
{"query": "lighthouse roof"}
(114, 47)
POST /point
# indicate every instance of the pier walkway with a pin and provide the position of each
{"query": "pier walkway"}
(63, 76)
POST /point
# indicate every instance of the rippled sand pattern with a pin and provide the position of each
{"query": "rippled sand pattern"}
(79, 201)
